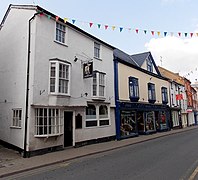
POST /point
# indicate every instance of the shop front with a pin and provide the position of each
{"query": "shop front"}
(138, 118)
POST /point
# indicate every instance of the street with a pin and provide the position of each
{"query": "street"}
(172, 157)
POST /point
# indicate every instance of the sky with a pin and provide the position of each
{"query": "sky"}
(131, 19)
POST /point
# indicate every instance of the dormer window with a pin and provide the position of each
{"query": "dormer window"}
(149, 65)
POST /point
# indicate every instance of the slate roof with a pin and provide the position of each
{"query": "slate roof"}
(124, 57)
(140, 58)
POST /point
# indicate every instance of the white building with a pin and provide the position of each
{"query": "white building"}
(49, 96)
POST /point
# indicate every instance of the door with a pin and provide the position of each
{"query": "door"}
(68, 129)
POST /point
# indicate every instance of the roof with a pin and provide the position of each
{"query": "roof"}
(53, 16)
(124, 57)
(140, 58)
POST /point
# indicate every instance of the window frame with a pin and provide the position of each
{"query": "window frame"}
(99, 85)
(55, 128)
(97, 50)
(17, 118)
(151, 93)
(164, 92)
(98, 117)
(62, 33)
(58, 79)
(133, 89)
(149, 65)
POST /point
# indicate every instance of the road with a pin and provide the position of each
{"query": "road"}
(172, 157)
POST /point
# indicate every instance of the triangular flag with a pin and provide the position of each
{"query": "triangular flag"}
(57, 18)
(65, 20)
(113, 28)
(49, 16)
(73, 21)
(129, 29)
(191, 34)
(186, 34)
(152, 32)
(197, 34)
(179, 34)
(121, 28)
(165, 33)
(136, 30)
(90, 24)
(172, 33)
(99, 25)
(158, 33)
(106, 26)
(145, 31)
(41, 14)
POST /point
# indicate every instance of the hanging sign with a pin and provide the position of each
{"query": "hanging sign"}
(87, 69)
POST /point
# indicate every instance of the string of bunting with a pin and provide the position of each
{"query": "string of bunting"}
(121, 29)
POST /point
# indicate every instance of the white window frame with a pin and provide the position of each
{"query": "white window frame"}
(53, 125)
(16, 118)
(97, 84)
(57, 77)
(98, 117)
(62, 33)
(98, 47)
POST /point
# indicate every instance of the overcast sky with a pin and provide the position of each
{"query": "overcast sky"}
(177, 53)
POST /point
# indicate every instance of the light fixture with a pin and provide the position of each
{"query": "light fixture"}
(75, 59)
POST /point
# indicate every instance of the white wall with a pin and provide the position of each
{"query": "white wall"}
(13, 59)
(45, 48)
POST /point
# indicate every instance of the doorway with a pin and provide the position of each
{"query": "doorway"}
(68, 129)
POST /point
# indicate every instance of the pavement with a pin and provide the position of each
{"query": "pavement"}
(12, 163)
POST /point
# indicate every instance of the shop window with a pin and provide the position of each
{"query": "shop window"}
(97, 115)
(133, 89)
(128, 123)
(91, 116)
(103, 115)
(151, 93)
(164, 95)
(140, 122)
(150, 121)
(48, 122)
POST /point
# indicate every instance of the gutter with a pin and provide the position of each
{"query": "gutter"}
(25, 155)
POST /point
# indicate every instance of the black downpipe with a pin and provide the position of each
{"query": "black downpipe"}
(25, 155)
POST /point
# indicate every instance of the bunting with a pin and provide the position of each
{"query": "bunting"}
(121, 29)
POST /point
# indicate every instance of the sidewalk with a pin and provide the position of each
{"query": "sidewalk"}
(11, 162)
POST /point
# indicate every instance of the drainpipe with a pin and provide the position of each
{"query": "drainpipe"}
(117, 110)
(25, 155)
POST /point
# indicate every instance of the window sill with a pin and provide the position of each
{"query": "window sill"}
(97, 127)
(98, 58)
(63, 44)
(47, 136)
(98, 98)
(59, 94)
(15, 127)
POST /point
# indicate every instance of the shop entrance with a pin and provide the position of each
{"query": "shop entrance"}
(68, 129)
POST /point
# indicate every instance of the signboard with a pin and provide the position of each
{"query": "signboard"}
(179, 96)
(87, 69)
